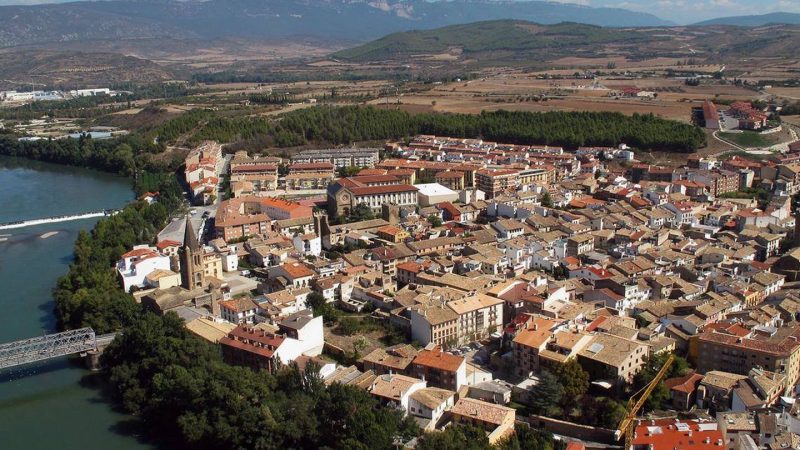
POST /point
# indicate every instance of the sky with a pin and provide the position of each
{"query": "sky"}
(679, 11)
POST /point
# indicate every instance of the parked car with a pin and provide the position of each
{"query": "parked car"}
(245, 273)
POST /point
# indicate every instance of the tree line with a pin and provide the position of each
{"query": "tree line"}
(122, 155)
(331, 125)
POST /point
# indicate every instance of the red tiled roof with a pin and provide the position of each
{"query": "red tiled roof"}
(297, 270)
(686, 384)
(366, 172)
(140, 252)
(439, 360)
(373, 190)
(167, 243)
(672, 434)
(255, 168)
(311, 166)
(410, 266)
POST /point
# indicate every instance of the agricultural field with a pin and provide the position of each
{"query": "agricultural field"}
(518, 91)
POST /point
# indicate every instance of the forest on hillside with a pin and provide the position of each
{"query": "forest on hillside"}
(330, 125)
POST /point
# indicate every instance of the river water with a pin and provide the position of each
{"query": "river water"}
(48, 405)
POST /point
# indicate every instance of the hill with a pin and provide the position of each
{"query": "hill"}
(755, 21)
(346, 20)
(496, 40)
(509, 41)
(70, 70)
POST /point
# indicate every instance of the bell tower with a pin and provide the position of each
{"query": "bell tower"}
(192, 270)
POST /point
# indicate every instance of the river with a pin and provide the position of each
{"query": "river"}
(47, 405)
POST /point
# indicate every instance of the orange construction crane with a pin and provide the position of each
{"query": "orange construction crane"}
(625, 428)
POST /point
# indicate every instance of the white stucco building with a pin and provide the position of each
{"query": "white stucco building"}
(137, 264)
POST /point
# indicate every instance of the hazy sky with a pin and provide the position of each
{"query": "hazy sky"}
(680, 11)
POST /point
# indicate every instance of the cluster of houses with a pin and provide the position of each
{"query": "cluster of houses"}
(741, 115)
(307, 170)
(39, 96)
(501, 261)
(202, 168)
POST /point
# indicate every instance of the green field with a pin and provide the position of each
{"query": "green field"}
(750, 139)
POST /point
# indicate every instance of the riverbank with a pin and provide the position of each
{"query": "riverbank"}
(51, 396)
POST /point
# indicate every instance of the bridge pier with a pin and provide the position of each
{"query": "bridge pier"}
(92, 360)
(92, 357)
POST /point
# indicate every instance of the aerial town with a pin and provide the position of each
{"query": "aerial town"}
(451, 278)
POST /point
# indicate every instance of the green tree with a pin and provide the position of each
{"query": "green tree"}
(546, 395)
(434, 220)
(349, 171)
(321, 307)
(547, 200)
(651, 368)
(361, 212)
(359, 345)
(455, 437)
(573, 379)
(526, 438)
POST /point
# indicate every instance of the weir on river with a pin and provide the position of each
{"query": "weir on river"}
(67, 218)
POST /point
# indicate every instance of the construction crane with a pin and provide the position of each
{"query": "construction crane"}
(625, 428)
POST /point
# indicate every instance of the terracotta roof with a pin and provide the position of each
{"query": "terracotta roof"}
(138, 252)
(392, 386)
(238, 304)
(255, 168)
(253, 340)
(686, 384)
(297, 270)
(437, 359)
(537, 333)
(311, 166)
(167, 243)
(388, 189)
(410, 266)
(483, 411)
(672, 434)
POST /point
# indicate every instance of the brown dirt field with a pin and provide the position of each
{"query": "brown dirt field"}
(793, 120)
(449, 102)
(786, 92)
(346, 342)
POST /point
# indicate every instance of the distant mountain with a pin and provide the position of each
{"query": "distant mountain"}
(755, 21)
(503, 39)
(72, 70)
(515, 41)
(344, 20)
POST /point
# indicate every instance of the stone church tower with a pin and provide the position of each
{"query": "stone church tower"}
(192, 270)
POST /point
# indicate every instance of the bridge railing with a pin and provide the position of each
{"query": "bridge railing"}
(46, 347)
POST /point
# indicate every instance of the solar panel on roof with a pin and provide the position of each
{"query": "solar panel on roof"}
(596, 347)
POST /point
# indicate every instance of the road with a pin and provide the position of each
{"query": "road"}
(175, 229)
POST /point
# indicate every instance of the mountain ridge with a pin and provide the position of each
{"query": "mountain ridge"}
(525, 42)
(754, 20)
(346, 20)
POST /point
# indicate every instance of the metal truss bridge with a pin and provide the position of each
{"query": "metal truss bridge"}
(40, 348)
